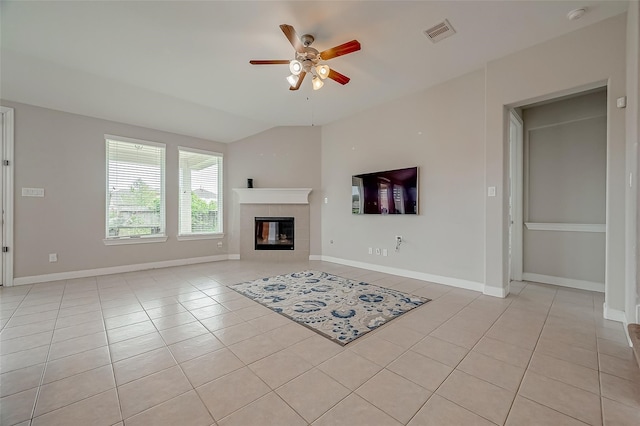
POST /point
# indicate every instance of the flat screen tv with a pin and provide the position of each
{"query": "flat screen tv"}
(387, 192)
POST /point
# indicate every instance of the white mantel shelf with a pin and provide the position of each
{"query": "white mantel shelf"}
(273, 195)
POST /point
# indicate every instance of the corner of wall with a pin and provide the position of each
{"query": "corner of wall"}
(495, 291)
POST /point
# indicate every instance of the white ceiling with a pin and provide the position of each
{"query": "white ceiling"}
(183, 67)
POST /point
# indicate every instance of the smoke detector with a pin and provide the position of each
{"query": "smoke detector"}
(576, 14)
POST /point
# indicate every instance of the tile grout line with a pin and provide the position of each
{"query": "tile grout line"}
(104, 324)
(532, 353)
(452, 370)
(46, 362)
(527, 368)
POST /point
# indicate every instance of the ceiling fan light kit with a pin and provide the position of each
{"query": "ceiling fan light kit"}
(295, 67)
(317, 82)
(323, 71)
(307, 60)
(293, 80)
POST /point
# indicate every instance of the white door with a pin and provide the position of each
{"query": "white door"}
(6, 194)
(2, 137)
(515, 197)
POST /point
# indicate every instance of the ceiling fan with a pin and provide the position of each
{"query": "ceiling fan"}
(309, 61)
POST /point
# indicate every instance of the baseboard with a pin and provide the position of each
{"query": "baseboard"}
(116, 269)
(563, 282)
(234, 257)
(616, 315)
(454, 282)
(495, 291)
(315, 257)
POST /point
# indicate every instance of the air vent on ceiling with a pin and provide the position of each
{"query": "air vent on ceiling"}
(440, 31)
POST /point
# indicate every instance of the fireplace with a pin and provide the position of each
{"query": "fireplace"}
(274, 233)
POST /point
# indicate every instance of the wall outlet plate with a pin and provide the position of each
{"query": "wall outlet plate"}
(53, 257)
(384, 252)
(378, 251)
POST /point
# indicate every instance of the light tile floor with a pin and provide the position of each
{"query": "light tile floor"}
(175, 346)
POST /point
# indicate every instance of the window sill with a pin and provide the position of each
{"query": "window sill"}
(192, 237)
(135, 240)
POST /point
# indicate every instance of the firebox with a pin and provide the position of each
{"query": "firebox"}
(274, 233)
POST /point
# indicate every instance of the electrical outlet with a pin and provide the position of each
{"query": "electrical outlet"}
(53, 257)
(378, 251)
(219, 244)
(384, 252)
(370, 250)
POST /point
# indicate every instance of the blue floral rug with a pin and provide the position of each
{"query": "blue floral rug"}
(338, 308)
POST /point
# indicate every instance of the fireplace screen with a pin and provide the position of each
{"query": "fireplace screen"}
(274, 233)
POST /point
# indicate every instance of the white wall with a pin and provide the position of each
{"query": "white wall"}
(65, 154)
(582, 59)
(282, 157)
(440, 130)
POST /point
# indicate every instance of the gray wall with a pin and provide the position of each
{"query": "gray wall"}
(65, 154)
(457, 134)
(581, 60)
(462, 149)
(282, 157)
(439, 130)
(565, 168)
(632, 307)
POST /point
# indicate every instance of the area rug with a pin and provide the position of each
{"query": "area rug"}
(338, 308)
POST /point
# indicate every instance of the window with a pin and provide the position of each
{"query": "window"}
(135, 190)
(200, 192)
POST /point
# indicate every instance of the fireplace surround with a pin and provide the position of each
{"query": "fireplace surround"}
(274, 203)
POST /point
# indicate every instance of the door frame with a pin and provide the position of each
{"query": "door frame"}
(7, 193)
(516, 188)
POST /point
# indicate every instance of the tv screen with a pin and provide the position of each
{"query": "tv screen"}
(387, 192)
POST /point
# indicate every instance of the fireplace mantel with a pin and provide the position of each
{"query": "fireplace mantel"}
(273, 195)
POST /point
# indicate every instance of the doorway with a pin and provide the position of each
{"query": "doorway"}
(558, 200)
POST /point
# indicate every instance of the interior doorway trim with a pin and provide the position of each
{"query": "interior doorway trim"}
(7, 193)
(516, 187)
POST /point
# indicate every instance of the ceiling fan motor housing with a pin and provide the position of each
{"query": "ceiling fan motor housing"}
(307, 39)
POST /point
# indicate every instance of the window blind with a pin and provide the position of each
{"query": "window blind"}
(200, 192)
(135, 188)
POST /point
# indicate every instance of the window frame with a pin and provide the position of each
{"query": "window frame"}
(208, 235)
(137, 239)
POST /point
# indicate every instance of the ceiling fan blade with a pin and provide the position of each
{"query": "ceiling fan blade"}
(300, 78)
(290, 33)
(269, 61)
(343, 49)
(336, 76)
